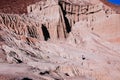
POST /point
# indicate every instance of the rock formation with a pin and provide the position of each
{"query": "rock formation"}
(60, 40)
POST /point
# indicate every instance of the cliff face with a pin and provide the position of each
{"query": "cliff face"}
(57, 40)
(91, 12)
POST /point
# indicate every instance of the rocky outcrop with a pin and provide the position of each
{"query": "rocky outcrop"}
(60, 40)
(72, 12)
(108, 30)
(93, 58)
(45, 26)
(54, 25)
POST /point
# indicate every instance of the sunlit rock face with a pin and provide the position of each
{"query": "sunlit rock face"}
(109, 15)
(94, 13)
(59, 40)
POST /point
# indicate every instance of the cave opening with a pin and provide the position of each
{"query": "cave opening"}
(45, 33)
(68, 27)
(67, 23)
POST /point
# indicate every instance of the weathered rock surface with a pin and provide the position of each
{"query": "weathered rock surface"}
(61, 40)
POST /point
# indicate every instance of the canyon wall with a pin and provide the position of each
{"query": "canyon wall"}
(43, 14)
(93, 13)
(60, 40)
(67, 13)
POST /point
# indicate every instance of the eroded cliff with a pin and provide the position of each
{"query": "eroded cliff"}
(61, 40)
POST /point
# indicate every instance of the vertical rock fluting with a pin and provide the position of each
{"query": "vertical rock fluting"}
(82, 56)
(93, 14)
(55, 25)
(66, 14)
(19, 25)
(13, 23)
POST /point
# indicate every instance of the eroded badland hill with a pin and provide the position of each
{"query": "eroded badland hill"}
(59, 40)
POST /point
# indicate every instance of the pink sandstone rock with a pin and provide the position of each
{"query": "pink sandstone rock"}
(60, 40)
